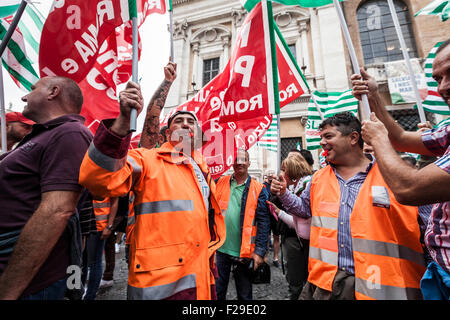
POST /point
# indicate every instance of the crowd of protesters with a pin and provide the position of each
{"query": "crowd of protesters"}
(370, 224)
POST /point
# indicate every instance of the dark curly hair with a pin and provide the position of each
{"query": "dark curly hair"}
(345, 123)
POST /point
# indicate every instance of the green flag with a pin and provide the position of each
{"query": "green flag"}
(440, 8)
(269, 139)
(15, 59)
(249, 4)
(169, 5)
(9, 7)
(330, 103)
(433, 102)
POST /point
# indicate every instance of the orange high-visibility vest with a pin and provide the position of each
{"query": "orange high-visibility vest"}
(387, 253)
(249, 228)
(174, 237)
(102, 209)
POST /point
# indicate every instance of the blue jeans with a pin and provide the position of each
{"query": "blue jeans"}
(241, 278)
(95, 252)
(55, 291)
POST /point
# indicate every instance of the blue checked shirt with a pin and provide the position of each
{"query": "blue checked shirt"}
(301, 206)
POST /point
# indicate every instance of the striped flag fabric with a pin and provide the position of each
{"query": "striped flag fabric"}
(269, 139)
(433, 102)
(15, 59)
(249, 4)
(21, 57)
(440, 8)
(330, 103)
(169, 5)
(443, 123)
(8, 7)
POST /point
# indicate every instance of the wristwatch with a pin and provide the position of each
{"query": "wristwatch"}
(109, 227)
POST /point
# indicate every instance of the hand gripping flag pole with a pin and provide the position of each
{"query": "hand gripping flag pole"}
(351, 49)
(408, 62)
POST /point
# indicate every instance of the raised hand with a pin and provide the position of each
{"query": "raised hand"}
(278, 187)
(363, 84)
(130, 98)
(170, 72)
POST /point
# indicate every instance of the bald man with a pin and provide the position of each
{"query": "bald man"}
(39, 191)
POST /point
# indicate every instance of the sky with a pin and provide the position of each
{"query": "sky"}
(154, 56)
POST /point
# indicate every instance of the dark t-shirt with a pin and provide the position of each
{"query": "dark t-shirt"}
(48, 159)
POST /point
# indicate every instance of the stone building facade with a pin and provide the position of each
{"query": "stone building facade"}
(205, 32)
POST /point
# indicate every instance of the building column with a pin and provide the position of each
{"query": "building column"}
(304, 40)
(195, 67)
(317, 49)
(182, 50)
(225, 54)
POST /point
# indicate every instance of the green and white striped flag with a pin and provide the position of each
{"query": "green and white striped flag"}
(443, 123)
(433, 102)
(22, 54)
(440, 8)
(249, 4)
(169, 5)
(269, 139)
(8, 7)
(330, 103)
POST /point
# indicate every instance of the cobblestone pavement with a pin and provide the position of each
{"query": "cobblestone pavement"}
(276, 290)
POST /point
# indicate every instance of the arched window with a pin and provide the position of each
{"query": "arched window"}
(377, 31)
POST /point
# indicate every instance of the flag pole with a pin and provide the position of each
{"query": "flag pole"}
(408, 62)
(134, 74)
(3, 45)
(279, 145)
(351, 49)
(171, 34)
(317, 106)
(3, 114)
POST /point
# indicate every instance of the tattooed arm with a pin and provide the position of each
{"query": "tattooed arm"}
(150, 132)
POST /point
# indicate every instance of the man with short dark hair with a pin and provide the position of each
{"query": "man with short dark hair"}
(363, 243)
(39, 192)
(177, 220)
(417, 186)
(243, 201)
(17, 127)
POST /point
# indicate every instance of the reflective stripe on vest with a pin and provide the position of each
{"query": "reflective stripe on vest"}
(105, 161)
(324, 222)
(163, 206)
(324, 255)
(98, 205)
(387, 253)
(101, 211)
(101, 217)
(162, 291)
(136, 170)
(388, 249)
(383, 292)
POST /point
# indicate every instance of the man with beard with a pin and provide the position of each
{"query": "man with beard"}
(178, 224)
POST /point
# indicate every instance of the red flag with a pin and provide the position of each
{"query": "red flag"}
(73, 32)
(233, 108)
(113, 67)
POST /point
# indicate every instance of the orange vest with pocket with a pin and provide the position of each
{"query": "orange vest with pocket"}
(387, 252)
